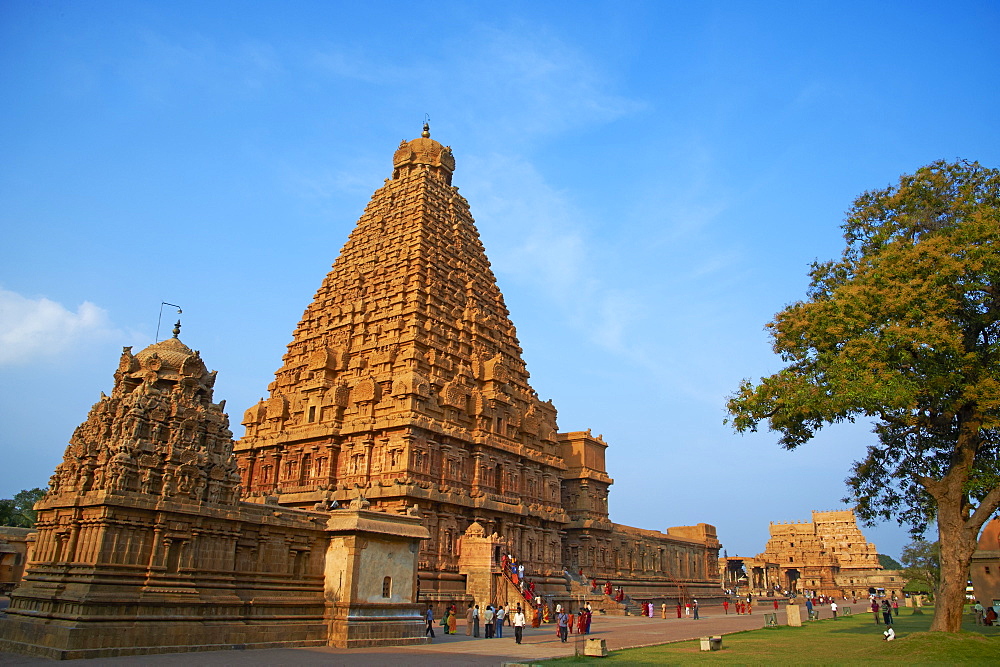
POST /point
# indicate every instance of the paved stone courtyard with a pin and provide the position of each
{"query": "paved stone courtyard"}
(539, 644)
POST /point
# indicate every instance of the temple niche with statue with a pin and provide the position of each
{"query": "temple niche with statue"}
(404, 381)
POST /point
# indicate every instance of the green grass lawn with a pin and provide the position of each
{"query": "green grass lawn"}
(851, 640)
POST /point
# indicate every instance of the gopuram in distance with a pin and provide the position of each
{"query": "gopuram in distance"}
(826, 556)
(404, 382)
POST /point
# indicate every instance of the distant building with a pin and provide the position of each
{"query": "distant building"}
(826, 556)
(985, 568)
(15, 545)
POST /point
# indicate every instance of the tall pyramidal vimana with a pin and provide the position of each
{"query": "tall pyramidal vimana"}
(404, 384)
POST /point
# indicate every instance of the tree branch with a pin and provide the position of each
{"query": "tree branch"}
(987, 507)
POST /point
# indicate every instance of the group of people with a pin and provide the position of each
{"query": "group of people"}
(615, 593)
(984, 615)
(739, 606)
(514, 570)
(886, 609)
(567, 622)
(493, 620)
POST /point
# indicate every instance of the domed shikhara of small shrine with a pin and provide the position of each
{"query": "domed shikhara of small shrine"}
(158, 434)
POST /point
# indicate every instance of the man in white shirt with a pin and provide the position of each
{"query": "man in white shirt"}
(518, 621)
(501, 613)
(488, 619)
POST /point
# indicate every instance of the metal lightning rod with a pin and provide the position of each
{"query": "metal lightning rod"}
(162, 304)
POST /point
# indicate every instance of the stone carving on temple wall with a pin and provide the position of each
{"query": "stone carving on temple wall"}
(158, 434)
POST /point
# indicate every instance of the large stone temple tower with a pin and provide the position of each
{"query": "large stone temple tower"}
(404, 382)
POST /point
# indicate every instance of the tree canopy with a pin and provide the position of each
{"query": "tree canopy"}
(888, 562)
(921, 566)
(903, 329)
(18, 511)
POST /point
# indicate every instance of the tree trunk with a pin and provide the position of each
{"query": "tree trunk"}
(957, 542)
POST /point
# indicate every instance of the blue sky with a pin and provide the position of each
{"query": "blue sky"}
(651, 181)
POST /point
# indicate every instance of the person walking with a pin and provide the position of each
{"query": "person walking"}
(887, 612)
(500, 617)
(429, 617)
(874, 609)
(518, 622)
(562, 622)
(833, 609)
(445, 620)
(453, 621)
(695, 606)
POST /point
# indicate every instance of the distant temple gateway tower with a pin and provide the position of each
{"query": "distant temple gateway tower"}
(826, 556)
(404, 382)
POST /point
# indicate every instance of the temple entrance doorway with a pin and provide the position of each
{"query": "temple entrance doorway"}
(792, 580)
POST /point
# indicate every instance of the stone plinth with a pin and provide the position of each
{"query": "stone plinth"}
(371, 578)
(794, 615)
(596, 648)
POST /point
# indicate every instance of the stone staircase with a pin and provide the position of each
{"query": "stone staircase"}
(631, 607)
(579, 588)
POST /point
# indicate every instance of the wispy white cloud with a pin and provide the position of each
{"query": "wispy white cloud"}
(520, 83)
(527, 82)
(33, 329)
(538, 238)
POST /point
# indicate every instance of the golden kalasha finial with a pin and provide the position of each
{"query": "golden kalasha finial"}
(177, 328)
(426, 134)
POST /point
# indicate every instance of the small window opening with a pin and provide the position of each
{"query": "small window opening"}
(312, 413)
(387, 587)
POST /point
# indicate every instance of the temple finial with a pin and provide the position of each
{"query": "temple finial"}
(426, 134)
(177, 328)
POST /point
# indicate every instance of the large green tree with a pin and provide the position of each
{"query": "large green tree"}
(904, 329)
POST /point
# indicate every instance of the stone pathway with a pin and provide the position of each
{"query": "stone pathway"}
(539, 644)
